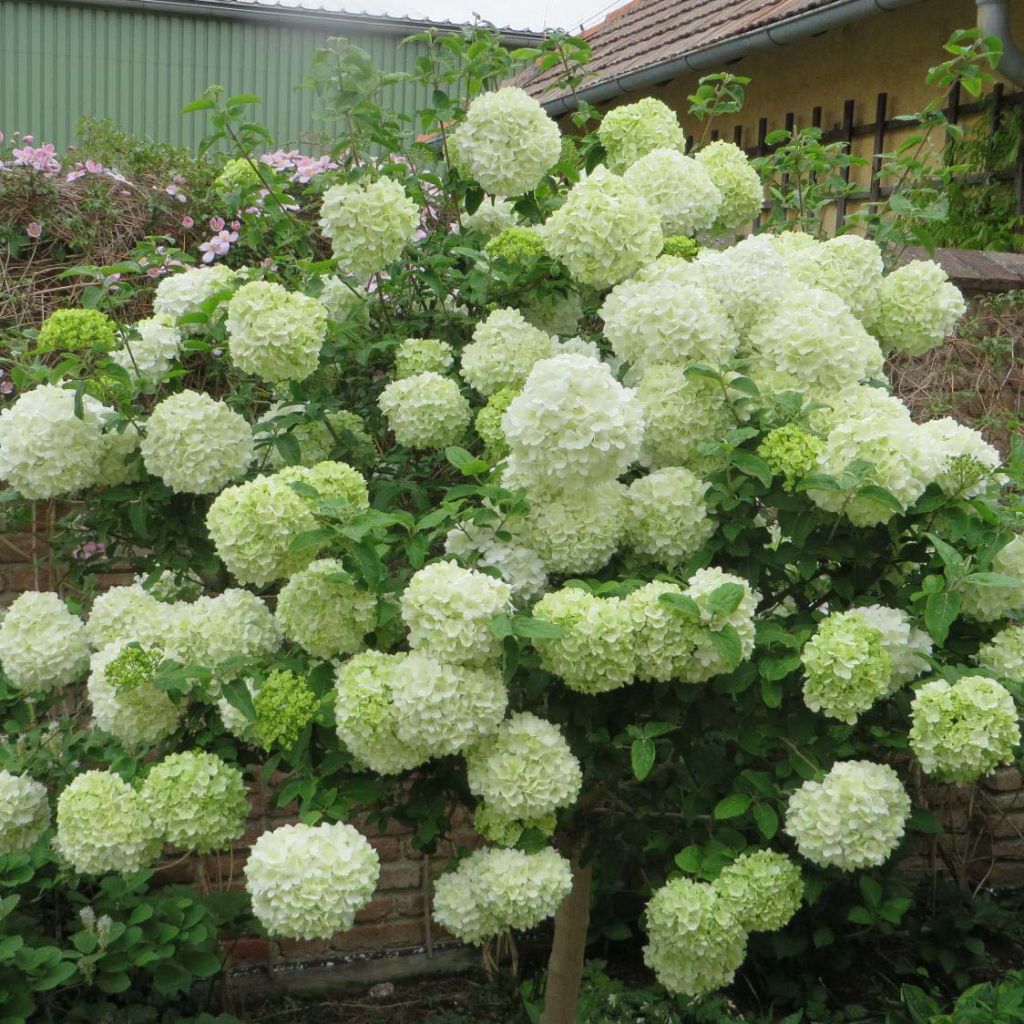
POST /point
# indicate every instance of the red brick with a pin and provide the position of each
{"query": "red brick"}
(171, 873)
(250, 947)
(389, 848)
(299, 948)
(408, 904)
(400, 875)
(379, 936)
(17, 547)
(376, 910)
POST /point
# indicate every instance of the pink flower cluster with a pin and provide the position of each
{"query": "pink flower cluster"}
(299, 167)
(93, 167)
(222, 241)
(41, 158)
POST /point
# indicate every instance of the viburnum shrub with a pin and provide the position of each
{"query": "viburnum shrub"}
(672, 593)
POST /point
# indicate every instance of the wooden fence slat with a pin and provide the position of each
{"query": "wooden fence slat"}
(849, 108)
(879, 145)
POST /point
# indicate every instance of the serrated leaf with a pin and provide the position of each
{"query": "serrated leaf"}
(727, 643)
(725, 599)
(731, 807)
(680, 603)
(641, 755)
(951, 558)
(940, 612)
(767, 821)
(466, 462)
(753, 465)
(310, 539)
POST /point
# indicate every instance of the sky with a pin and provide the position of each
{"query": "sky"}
(524, 14)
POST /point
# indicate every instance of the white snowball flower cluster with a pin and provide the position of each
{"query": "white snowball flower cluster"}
(444, 708)
(667, 320)
(679, 188)
(24, 813)
(748, 277)
(369, 224)
(196, 444)
(152, 354)
(103, 825)
(681, 412)
(962, 732)
(124, 613)
(308, 882)
(872, 426)
(492, 891)
(666, 517)
(252, 526)
(521, 567)
(848, 266)
(604, 232)
(138, 715)
(235, 624)
(322, 610)
(846, 667)
(425, 410)
(274, 333)
(525, 770)
(665, 641)
(967, 461)
(43, 646)
(576, 531)
(918, 308)
(762, 889)
(694, 941)
(197, 801)
(507, 142)
(904, 643)
(573, 421)
(597, 649)
(1003, 655)
(186, 292)
(342, 301)
(490, 218)
(448, 611)
(985, 603)
(365, 714)
(708, 660)
(853, 819)
(813, 344)
(503, 351)
(420, 355)
(735, 178)
(337, 482)
(45, 449)
(634, 130)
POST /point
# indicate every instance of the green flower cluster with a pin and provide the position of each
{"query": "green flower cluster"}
(76, 330)
(791, 452)
(285, 704)
(516, 245)
(132, 667)
(422, 355)
(488, 422)
(762, 889)
(681, 247)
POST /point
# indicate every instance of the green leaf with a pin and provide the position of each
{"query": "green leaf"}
(641, 755)
(732, 806)
(951, 558)
(680, 603)
(536, 629)
(870, 890)
(767, 821)
(994, 579)
(310, 539)
(237, 694)
(201, 963)
(752, 465)
(778, 666)
(288, 447)
(169, 978)
(55, 976)
(727, 643)
(466, 462)
(860, 915)
(881, 496)
(689, 860)
(925, 822)
(725, 599)
(820, 482)
(193, 107)
(921, 1006)
(940, 612)
(771, 692)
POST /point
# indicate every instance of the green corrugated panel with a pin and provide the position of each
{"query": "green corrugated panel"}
(59, 62)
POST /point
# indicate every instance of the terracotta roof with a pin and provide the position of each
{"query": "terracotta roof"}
(645, 33)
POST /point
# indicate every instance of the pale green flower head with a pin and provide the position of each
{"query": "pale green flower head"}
(681, 190)
(76, 330)
(308, 882)
(694, 941)
(852, 819)
(737, 182)
(846, 667)
(964, 731)
(24, 813)
(488, 422)
(317, 438)
(515, 245)
(185, 292)
(502, 831)
(324, 612)
(420, 355)
(149, 356)
(43, 645)
(604, 232)
(987, 604)
(504, 349)
(632, 131)
(1003, 655)
(124, 613)
(238, 175)
(665, 639)
(666, 516)
(918, 308)
(762, 889)
(195, 444)
(525, 770)
(848, 266)
(506, 143)
(104, 825)
(274, 333)
(791, 452)
(425, 411)
(337, 483)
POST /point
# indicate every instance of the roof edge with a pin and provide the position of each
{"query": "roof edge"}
(838, 13)
(298, 16)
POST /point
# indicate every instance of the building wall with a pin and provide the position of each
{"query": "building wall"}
(59, 61)
(888, 52)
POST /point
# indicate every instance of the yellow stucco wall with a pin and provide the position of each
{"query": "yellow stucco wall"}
(887, 52)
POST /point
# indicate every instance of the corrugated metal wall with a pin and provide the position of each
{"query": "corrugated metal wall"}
(58, 62)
